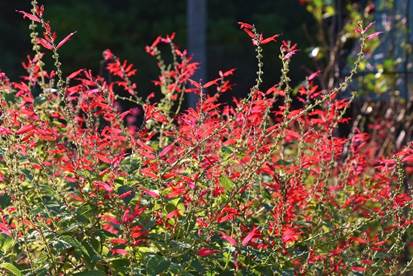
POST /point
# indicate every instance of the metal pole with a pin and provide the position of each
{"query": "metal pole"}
(196, 24)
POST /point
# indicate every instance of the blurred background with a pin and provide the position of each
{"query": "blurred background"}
(323, 29)
(127, 26)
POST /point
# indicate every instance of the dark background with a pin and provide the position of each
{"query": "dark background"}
(127, 26)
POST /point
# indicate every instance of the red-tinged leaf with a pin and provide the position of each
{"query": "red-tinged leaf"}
(66, 39)
(228, 238)
(270, 39)
(30, 16)
(45, 43)
(75, 74)
(374, 35)
(204, 252)
(249, 237)
(25, 129)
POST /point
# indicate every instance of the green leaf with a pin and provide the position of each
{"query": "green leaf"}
(10, 97)
(92, 254)
(227, 150)
(226, 183)
(6, 243)
(157, 264)
(4, 201)
(28, 174)
(11, 268)
(80, 249)
(119, 264)
(175, 268)
(60, 245)
(86, 214)
(196, 264)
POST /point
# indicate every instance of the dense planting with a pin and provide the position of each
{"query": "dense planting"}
(258, 186)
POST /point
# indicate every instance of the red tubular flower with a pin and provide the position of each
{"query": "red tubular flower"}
(45, 43)
(4, 229)
(249, 237)
(174, 213)
(244, 25)
(119, 251)
(289, 49)
(229, 239)
(204, 252)
(64, 40)
(25, 129)
(30, 16)
(290, 234)
(270, 39)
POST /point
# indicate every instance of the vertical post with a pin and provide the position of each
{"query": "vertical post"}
(409, 43)
(196, 35)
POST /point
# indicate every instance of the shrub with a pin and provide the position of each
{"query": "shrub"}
(258, 186)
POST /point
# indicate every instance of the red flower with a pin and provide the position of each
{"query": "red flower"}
(358, 268)
(290, 235)
(119, 251)
(229, 239)
(66, 39)
(30, 16)
(270, 39)
(249, 237)
(204, 252)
